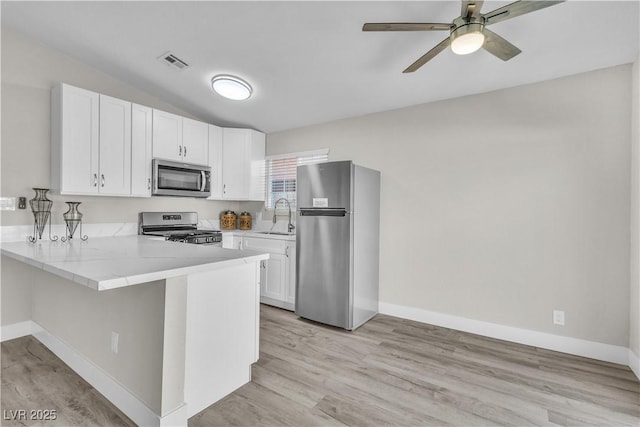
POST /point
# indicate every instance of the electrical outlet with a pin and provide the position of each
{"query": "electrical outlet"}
(22, 203)
(558, 317)
(114, 342)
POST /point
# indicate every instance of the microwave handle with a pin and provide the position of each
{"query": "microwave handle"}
(204, 180)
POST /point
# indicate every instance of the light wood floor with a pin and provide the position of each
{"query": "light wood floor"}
(33, 378)
(397, 372)
(388, 372)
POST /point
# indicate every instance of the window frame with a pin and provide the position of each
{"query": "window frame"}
(302, 157)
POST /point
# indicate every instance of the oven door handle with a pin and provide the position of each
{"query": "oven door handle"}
(204, 180)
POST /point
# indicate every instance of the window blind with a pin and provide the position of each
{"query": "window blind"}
(281, 174)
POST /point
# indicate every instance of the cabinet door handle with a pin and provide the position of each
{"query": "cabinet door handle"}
(185, 151)
(148, 183)
(224, 189)
(102, 176)
(286, 251)
(95, 179)
(180, 150)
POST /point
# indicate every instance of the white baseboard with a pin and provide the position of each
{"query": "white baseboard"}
(277, 303)
(178, 417)
(131, 406)
(634, 363)
(16, 330)
(576, 346)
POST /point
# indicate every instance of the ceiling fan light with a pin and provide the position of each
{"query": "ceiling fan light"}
(467, 43)
(231, 87)
(467, 38)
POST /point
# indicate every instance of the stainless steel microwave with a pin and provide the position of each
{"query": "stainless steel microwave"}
(180, 179)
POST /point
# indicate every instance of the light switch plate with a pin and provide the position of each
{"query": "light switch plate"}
(7, 203)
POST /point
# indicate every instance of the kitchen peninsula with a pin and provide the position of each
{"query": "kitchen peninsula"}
(162, 329)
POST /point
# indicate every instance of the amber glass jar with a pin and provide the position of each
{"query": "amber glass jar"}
(245, 221)
(228, 220)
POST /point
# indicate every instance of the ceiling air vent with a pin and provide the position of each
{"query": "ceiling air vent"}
(173, 61)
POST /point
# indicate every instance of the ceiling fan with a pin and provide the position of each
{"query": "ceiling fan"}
(468, 32)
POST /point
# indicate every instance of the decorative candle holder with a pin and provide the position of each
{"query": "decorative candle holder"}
(72, 219)
(41, 208)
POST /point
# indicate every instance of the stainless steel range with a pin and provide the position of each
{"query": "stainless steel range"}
(177, 227)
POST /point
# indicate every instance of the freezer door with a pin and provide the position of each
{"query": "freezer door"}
(325, 185)
(323, 268)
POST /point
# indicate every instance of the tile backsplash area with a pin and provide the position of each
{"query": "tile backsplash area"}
(17, 233)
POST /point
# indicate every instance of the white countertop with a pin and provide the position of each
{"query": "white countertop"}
(105, 263)
(263, 235)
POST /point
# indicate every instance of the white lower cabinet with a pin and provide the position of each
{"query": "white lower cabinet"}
(290, 290)
(273, 276)
(231, 241)
(222, 333)
(277, 274)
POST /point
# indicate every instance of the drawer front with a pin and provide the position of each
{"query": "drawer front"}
(269, 245)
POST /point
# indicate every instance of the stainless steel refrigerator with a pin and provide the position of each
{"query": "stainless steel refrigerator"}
(337, 243)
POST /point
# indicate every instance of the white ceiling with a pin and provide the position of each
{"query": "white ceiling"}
(309, 62)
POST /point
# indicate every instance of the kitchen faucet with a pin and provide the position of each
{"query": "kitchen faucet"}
(290, 226)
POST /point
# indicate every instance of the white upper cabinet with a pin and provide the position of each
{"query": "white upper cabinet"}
(234, 163)
(91, 143)
(167, 136)
(115, 146)
(243, 155)
(180, 139)
(215, 161)
(141, 146)
(195, 142)
(74, 140)
(257, 184)
(104, 146)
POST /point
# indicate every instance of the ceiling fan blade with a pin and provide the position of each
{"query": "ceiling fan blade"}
(428, 56)
(498, 46)
(471, 8)
(405, 26)
(516, 9)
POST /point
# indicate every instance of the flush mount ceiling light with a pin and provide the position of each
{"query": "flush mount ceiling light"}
(467, 38)
(231, 87)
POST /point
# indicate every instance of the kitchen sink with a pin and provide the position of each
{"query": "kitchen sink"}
(278, 233)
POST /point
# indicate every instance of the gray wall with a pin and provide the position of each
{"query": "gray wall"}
(29, 71)
(16, 278)
(84, 319)
(502, 206)
(634, 318)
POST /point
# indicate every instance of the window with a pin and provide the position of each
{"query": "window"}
(281, 174)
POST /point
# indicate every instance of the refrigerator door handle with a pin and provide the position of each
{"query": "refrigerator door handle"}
(323, 212)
